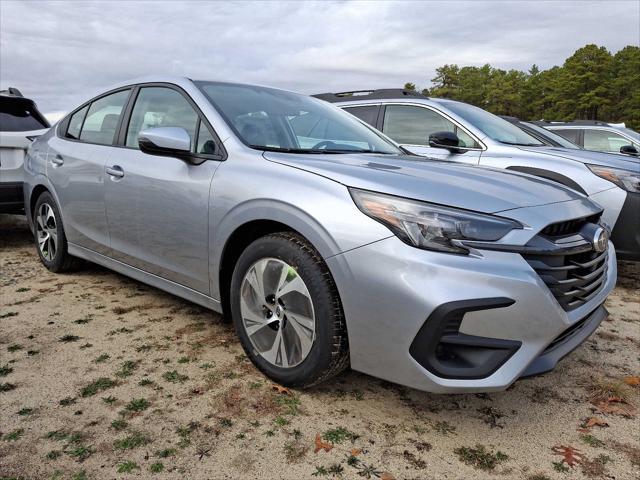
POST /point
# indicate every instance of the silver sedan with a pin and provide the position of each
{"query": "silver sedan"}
(324, 242)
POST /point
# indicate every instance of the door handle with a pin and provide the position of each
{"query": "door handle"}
(115, 171)
(57, 160)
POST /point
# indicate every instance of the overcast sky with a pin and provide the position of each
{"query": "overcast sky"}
(58, 53)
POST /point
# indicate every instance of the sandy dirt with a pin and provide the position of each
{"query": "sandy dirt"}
(103, 377)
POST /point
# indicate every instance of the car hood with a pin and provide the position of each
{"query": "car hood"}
(586, 156)
(453, 184)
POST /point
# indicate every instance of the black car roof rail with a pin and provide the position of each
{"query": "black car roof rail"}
(13, 91)
(379, 94)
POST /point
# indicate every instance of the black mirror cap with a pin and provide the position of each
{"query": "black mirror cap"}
(448, 140)
(629, 150)
(150, 148)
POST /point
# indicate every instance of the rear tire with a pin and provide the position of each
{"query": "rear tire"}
(287, 312)
(51, 241)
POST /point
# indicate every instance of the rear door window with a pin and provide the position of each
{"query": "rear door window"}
(368, 113)
(571, 135)
(103, 117)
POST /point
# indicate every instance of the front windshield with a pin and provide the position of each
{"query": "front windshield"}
(276, 120)
(563, 142)
(493, 126)
(632, 133)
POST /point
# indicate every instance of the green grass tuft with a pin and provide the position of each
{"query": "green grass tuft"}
(99, 385)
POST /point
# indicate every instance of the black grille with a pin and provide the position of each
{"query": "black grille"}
(568, 227)
(574, 279)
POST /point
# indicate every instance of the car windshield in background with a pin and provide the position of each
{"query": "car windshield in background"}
(632, 133)
(271, 119)
(16, 115)
(493, 126)
(563, 142)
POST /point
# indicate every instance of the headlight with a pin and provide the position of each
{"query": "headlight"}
(429, 226)
(626, 179)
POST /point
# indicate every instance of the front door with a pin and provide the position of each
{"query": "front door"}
(411, 125)
(158, 206)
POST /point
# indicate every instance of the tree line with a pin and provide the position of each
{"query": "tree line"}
(592, 84)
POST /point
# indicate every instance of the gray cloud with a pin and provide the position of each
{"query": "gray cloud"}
(60, 52)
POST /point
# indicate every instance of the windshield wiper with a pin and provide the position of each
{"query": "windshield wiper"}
(284, 149)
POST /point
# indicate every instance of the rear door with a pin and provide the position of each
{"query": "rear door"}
(157, 206)
(75, 167)
(411, 125)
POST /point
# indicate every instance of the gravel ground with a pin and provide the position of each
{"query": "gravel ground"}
(104, 377)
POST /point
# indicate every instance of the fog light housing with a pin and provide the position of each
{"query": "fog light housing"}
(444, 351)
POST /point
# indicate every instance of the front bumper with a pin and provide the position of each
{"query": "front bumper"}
(626, 233)
(389, 290)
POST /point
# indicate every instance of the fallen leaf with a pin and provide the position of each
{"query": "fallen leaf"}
(387, 476)
(595, 422)
(321, 445)
(616, 406)
(355, 452)
(633, 381)
(571, 456)
(280, 389)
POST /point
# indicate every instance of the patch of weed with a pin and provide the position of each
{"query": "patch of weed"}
(339, 435)
(127, 369)
(99, 385)
(130, 442)
(127, 467)
(102, 358)
(69, 338)
(166, 453)
(480, 458)
(119, 424)
(174, 377)
(53, 454)
(592, 441)
(13, 436)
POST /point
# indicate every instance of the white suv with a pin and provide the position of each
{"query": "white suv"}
(443, 129)
(20, 123)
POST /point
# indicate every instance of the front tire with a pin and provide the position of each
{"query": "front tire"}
(287, 312)
(51, 241)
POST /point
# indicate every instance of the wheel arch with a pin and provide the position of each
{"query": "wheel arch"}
(247, 223)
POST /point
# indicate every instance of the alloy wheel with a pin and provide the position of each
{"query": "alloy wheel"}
(47, 231)
(277, 312)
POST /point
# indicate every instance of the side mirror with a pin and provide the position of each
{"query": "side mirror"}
(165, 141)
(448, 140)
(629, 150)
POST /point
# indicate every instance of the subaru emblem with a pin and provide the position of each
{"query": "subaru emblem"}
(600, 239)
